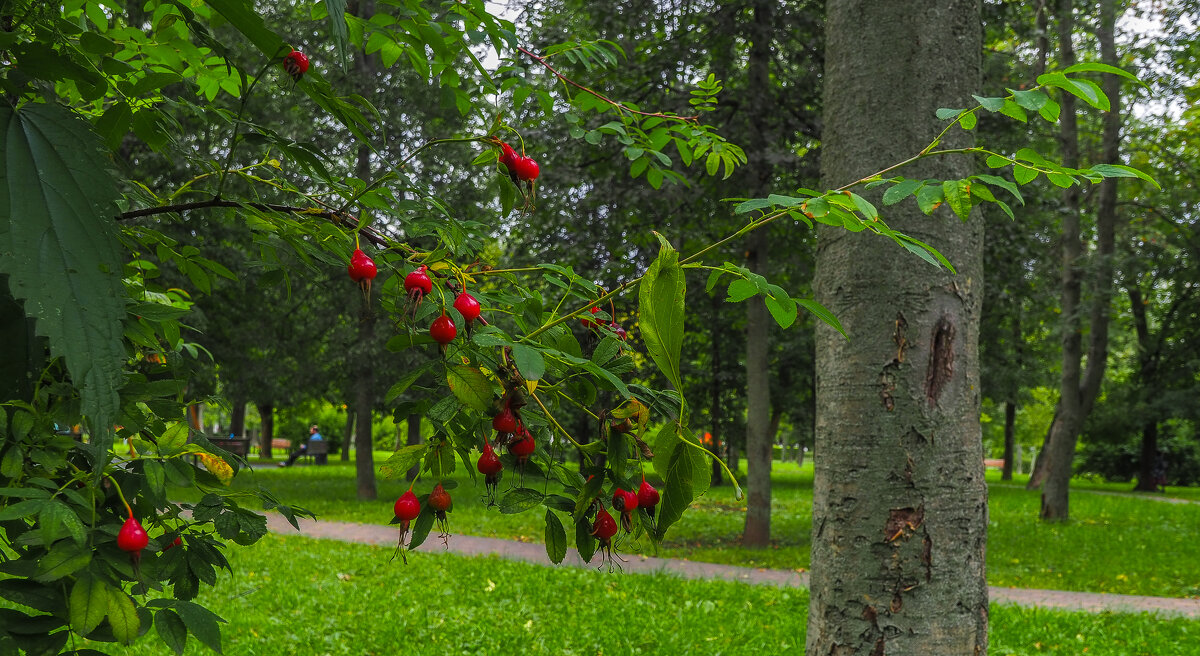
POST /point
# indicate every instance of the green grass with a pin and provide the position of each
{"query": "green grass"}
(1112, 544)
(293, 595)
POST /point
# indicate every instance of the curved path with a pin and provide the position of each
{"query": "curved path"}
(536, 553)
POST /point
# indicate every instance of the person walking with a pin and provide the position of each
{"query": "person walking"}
(314, 435)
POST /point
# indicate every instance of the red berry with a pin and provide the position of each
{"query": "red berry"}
(468, 306)
(407, 507)
(439, 499)
(174, 543)
(624, 500)
(418, 281)
(507, 156)
(589, 323)
(361, 266)
(132, 537)
(647, 496)
(605, 526)
(489, 463)
(296, 64)
(616, 328)
(506, 421)
(442, 330)
(525, 168)
(523, 448)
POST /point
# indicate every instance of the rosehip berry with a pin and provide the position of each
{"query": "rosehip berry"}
(467, 306)
(442, 330)
(505, 422)
(132, 537)
(296, 64)
(174, 543)
(604, 527)
(507, 156)
(647, 496)
(407, 507)
(624, 501)
(522, 448)
(590, 323)
(361, 267)
(525, 168)
(616, 328)
(417, 283)
(439, 499)
(489, 463)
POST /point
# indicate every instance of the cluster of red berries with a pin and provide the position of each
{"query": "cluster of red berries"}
(604, 527)
(520, 167)
(132, 538)
(418, 285)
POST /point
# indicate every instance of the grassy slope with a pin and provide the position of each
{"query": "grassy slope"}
(292, 595)
(1119, 544)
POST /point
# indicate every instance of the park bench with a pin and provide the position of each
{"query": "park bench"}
(237, 446)
(317, 451)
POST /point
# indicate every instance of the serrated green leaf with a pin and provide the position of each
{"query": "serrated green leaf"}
(1050, 111)
(1122, 171)
(958, 197)
(202, 622)
(421, 525)
(337, 27)
(968, 121)
(1096, 67)
(88, 604)
(57, 520)
(823, 314)
(990, 104)
(1024, 174)
(470, 386)
(403, 384)
(122, 616)
(901, 190)
(556, 538)
(661, 312)
(529, 362)
(519, 500)
(1033, 100)
(58, 245)
(1003, 184)
(997, 162)
(740, 290)
(170, 629)
(947, 113)
(1060, 179)
(1015, 111)
(173, 439)
(783, 310)
(929, 197)
(864, 207)
(402, 460)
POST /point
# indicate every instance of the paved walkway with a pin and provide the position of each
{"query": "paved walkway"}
(536, 553)
(1144, 496)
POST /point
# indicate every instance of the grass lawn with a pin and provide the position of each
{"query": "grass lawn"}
(1119, 544)
(292, 595)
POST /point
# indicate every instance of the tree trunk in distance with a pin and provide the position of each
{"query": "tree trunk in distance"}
(266, 411)
(1010, 439)
(1078, 401)
(364, 399)
(237, 419)
(414, 437)
(757, 533)
(714, 403)
(900, 502)
(1147, 481)
(348, 434)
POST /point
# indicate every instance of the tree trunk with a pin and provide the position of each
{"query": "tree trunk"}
(414, 437)
(266, 411)
(900, 503)
(364, 443)
(348, 434)
(757, 531)
(1147, 481)
(1010, 439)
(1078, 393)
(237, 419)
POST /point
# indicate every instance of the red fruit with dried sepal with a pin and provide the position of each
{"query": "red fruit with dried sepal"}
(407, 507)
(442, 330)
(490, 466)
(467, 306)
(361, 267)
(132, 537)
(506, 421)
(525, 168)
(296, 64)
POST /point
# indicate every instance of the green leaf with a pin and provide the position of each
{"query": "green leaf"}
(337, 26)
(57, 520)
(783, 310)
(823, 314)
(404, 383)
(677, 492)
(421, 525)
(661, 313)
(122, 616)
(471, 386)
(947, 113)
(22, 508)
(174, 439)
(1024, 174)
(1013, 110)
(402, 460)
(990, 104)
(929, 197)
(1050, 111)
(170, 629)
(968, 121)
(88, 604)
(529, 361)
(65, 558)
(1096, 67)
(1122, 171)
(556, 538)
(958, 197)
(1033, 100)
(585, 542)
(58, 245)
(864, 207)
(1003, 184)
(1060, 179)
(901, 190)
(202, 622)
(740, 290)
(519, 500)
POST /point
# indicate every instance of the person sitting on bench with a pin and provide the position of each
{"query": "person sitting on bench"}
(313, 436)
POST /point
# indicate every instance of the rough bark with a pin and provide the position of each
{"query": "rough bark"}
(266, 411)
(1078, 391)
(757, 531)
(900, 504)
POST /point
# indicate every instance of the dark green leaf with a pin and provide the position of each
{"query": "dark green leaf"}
(470, 386)
(60, 249)
(402, 460)
(88, 604)
(661, 311)
(556, 538)
(519, 500)
(929, 197)
(1122, 171)
(990, 104)
(170, 629)
(901, 190)
(421, 525)
(529, 361)
(202, 623)
(122, 616)
(41, 597)
(585, 543)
